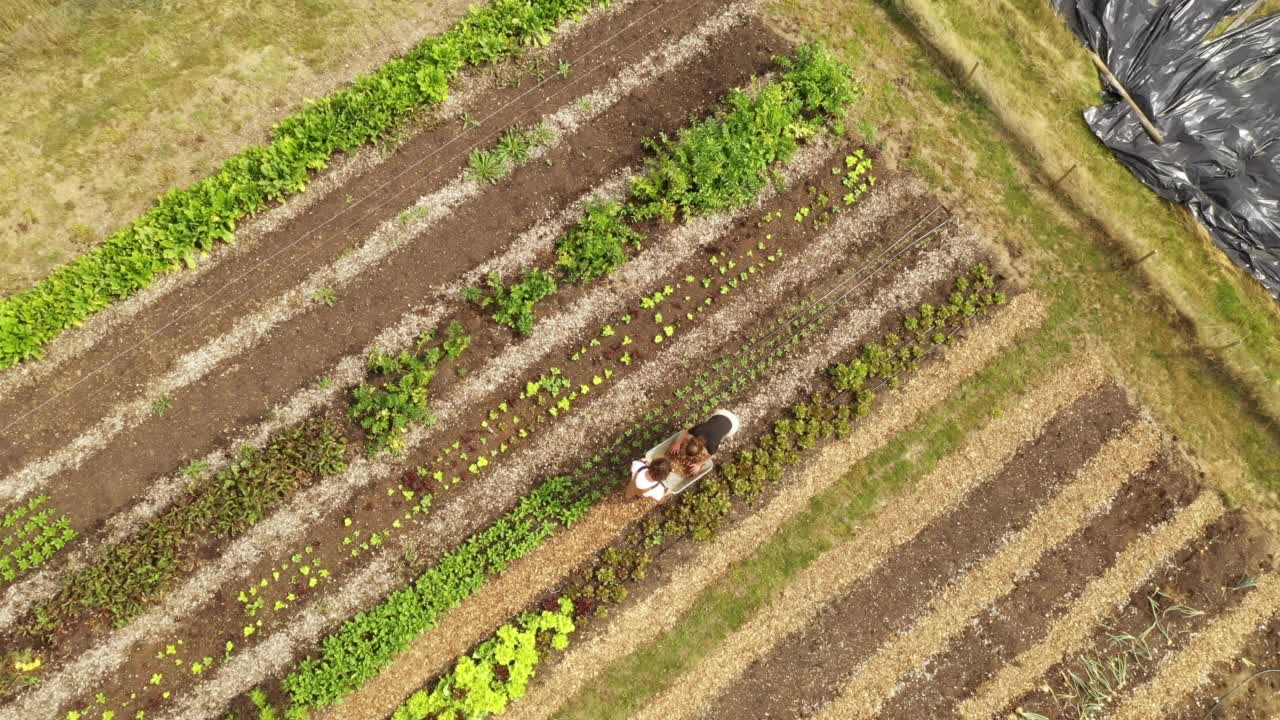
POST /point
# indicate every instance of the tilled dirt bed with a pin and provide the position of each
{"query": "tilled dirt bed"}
(898, 642)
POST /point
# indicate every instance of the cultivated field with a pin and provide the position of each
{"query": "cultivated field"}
(366, 462)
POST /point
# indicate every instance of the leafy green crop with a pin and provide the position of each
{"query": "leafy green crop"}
(386, 411)
(189, 221)
(597, 244)
(482, 683)
(132, 574)
(33, 537)
(724, 161)
(888, 359)
(513, 306)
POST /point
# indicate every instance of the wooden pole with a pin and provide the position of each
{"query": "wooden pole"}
(1152, 130)
(1058, 182)
(1142, 259)
(972, 70)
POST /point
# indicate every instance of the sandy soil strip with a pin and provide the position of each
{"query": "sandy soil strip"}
(1089, 493)
(75, 341)
(288, 524)
(390, 235)
(640, 623)
(1221, 642)
(18, 597)
(1106, 594)
(453, 522)
(983, 455)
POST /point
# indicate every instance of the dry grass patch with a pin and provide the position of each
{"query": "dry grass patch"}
(106, 105)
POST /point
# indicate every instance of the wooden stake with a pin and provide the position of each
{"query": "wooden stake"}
(1058, 182)
(1142, 259)
(1156, 136)
(972, 70)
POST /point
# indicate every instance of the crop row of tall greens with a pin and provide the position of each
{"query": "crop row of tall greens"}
(717, 163)
(130, 575)
(189, 221)
(829, 414)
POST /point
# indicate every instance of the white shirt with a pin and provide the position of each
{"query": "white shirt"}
(647, 486)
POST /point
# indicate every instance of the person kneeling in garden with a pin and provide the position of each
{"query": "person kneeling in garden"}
(697, 445)
(646, 479)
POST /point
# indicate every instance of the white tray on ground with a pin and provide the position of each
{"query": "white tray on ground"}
(675, 482)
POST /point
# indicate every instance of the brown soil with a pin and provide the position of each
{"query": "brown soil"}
(373, 509)
(1200, 577)
(1245, 694)
(1018, 621)
(204, 416)
(806, 670)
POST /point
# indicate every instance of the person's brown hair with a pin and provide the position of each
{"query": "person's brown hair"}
(693, 448)
(659, 469)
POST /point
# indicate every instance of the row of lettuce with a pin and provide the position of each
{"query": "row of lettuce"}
(479, 685)
(718, 163)
(188, 221)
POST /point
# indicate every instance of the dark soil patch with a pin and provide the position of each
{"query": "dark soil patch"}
(1018, 621)
(1200, 577)
(208, 414)
(807, 669)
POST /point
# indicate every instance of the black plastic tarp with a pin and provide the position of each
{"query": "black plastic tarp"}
(1217, 103)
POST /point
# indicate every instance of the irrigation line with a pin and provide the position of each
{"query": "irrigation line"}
(1235, 689)
(392, 198)
(837, 286)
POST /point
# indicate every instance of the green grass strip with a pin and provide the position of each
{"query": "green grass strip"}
(834, 516)
(192, 220)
